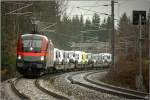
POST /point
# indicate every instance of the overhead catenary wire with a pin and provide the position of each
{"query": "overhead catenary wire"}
(17, 3)
(21, 13)
(105, 5)
(49, 26)
(18, 9)
(92, 11)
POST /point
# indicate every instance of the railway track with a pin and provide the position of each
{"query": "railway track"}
(127, 93)
(119, 90)
(23, 96)
(16, 91)
(57, 96)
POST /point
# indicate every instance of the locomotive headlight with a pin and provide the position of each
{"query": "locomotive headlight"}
(42, 58)
(19, 57)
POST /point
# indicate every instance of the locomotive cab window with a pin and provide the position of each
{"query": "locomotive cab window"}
(32, 44)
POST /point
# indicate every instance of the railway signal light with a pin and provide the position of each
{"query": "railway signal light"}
(136, 17)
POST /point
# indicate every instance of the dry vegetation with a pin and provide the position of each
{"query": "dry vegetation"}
(127, 68)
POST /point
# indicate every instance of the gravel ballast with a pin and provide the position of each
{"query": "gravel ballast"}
(77, 92)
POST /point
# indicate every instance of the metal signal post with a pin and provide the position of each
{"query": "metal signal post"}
(139, 18)
(140, 47)
(140, 85)
(113, 34)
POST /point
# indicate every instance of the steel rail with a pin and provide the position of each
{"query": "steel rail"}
(121, 90)
(17, 92)
(55, 95)
(102, 88)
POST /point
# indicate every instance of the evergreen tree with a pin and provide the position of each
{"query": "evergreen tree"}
(81, 23)
(96, 21)
(88, 24)
(127, 36)
(105, 30)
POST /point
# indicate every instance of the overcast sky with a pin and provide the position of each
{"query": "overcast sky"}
(123, 6)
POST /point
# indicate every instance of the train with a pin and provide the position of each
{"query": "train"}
(37, 55)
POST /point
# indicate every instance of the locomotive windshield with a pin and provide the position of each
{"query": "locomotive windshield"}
(31, 43)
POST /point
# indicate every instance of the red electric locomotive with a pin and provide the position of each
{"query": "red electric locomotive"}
(34, 54)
